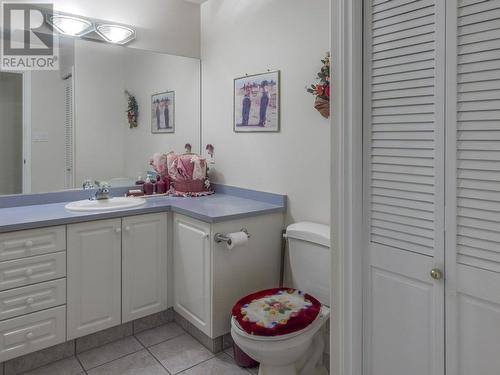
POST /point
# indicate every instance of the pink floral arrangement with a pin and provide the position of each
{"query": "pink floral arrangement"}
(159, 163)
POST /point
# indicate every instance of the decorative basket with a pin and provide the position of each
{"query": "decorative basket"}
(189, 186)
(323, 107)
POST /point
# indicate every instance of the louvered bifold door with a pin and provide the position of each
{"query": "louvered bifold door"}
(473, 187)
(404, 85)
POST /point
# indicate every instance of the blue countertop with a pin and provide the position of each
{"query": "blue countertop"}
(215, 208)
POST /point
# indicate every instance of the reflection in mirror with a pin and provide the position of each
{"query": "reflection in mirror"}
(61, 128)
(11, 139)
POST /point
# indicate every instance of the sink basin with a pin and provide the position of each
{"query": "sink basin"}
(111, 204)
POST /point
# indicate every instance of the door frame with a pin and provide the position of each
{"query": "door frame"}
(26, 132)
(347, 180)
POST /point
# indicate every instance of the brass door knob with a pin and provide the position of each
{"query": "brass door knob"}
(436, 274)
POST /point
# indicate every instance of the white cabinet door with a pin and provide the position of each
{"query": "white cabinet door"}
(192, 271)
(94, 277)
(144, 266)
(404, 86)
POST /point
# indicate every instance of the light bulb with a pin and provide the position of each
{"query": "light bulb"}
(115, 33)
(68, 25)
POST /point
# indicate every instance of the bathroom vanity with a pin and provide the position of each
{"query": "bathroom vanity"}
(65, 275)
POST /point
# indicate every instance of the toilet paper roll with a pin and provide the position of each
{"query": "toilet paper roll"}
(236, 239)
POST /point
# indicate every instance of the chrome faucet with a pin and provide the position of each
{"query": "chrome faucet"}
(102, 191)
(87, 185)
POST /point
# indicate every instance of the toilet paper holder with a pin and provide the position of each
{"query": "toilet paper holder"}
(219, 237)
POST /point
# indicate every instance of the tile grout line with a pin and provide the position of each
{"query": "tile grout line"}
(152, 355)
(147, 348)
(160, 342)
(49, 364)
(184, 333)
(143, 347)
(193, 366)
(123, 356)
(157, 360)
(78, 359)
(120, 357)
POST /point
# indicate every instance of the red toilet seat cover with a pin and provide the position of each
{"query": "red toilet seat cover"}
(274, 312)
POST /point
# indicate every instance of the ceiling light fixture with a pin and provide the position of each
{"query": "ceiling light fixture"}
(69, 25)
(116, 34)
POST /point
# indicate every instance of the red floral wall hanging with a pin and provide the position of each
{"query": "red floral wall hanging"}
(321, 90)
(132, 110)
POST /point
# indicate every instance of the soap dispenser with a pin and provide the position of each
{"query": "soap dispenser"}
(160, 185)
(148, 187)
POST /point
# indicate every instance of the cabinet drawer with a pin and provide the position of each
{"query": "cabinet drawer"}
(32, 332)
(15, 245)
(20, 272)
(28, 299)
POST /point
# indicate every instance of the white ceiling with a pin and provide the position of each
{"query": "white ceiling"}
(196, 1)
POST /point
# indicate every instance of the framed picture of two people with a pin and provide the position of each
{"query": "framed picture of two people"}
(163, 112)
(257, 103)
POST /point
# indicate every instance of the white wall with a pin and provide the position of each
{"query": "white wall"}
(11, 133)
(47, 124)
(251, 36)
(171, 26)
(148, 73)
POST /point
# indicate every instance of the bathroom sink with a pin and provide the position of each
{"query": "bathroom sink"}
(105, 204)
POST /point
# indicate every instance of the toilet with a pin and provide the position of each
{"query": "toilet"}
(281, 327)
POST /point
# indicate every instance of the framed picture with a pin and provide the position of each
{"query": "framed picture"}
(257, 103)
(163, 112)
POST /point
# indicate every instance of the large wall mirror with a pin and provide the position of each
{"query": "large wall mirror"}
(61, 128)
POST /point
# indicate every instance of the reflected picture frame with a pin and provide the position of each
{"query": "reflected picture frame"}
(163, 112)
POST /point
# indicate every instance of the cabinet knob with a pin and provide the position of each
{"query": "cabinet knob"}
(29, 243)
(29, 272)
(127, 229)
(207, 235)
(436, 274)
(30, 300)
(29, 335)
(118, 230)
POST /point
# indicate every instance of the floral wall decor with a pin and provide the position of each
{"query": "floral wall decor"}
(210, 151)
(321, 89)
(132, 110)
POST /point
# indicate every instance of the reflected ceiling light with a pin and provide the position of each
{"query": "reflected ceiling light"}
(69, 25)
(115, 33)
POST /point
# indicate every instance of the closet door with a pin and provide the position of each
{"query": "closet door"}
(473, 193)
(404, 187)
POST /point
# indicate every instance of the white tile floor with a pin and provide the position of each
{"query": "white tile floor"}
(165, 350)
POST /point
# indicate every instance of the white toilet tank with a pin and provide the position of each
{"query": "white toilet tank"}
(309, 253)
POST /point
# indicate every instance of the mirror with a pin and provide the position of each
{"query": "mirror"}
(60, 128)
